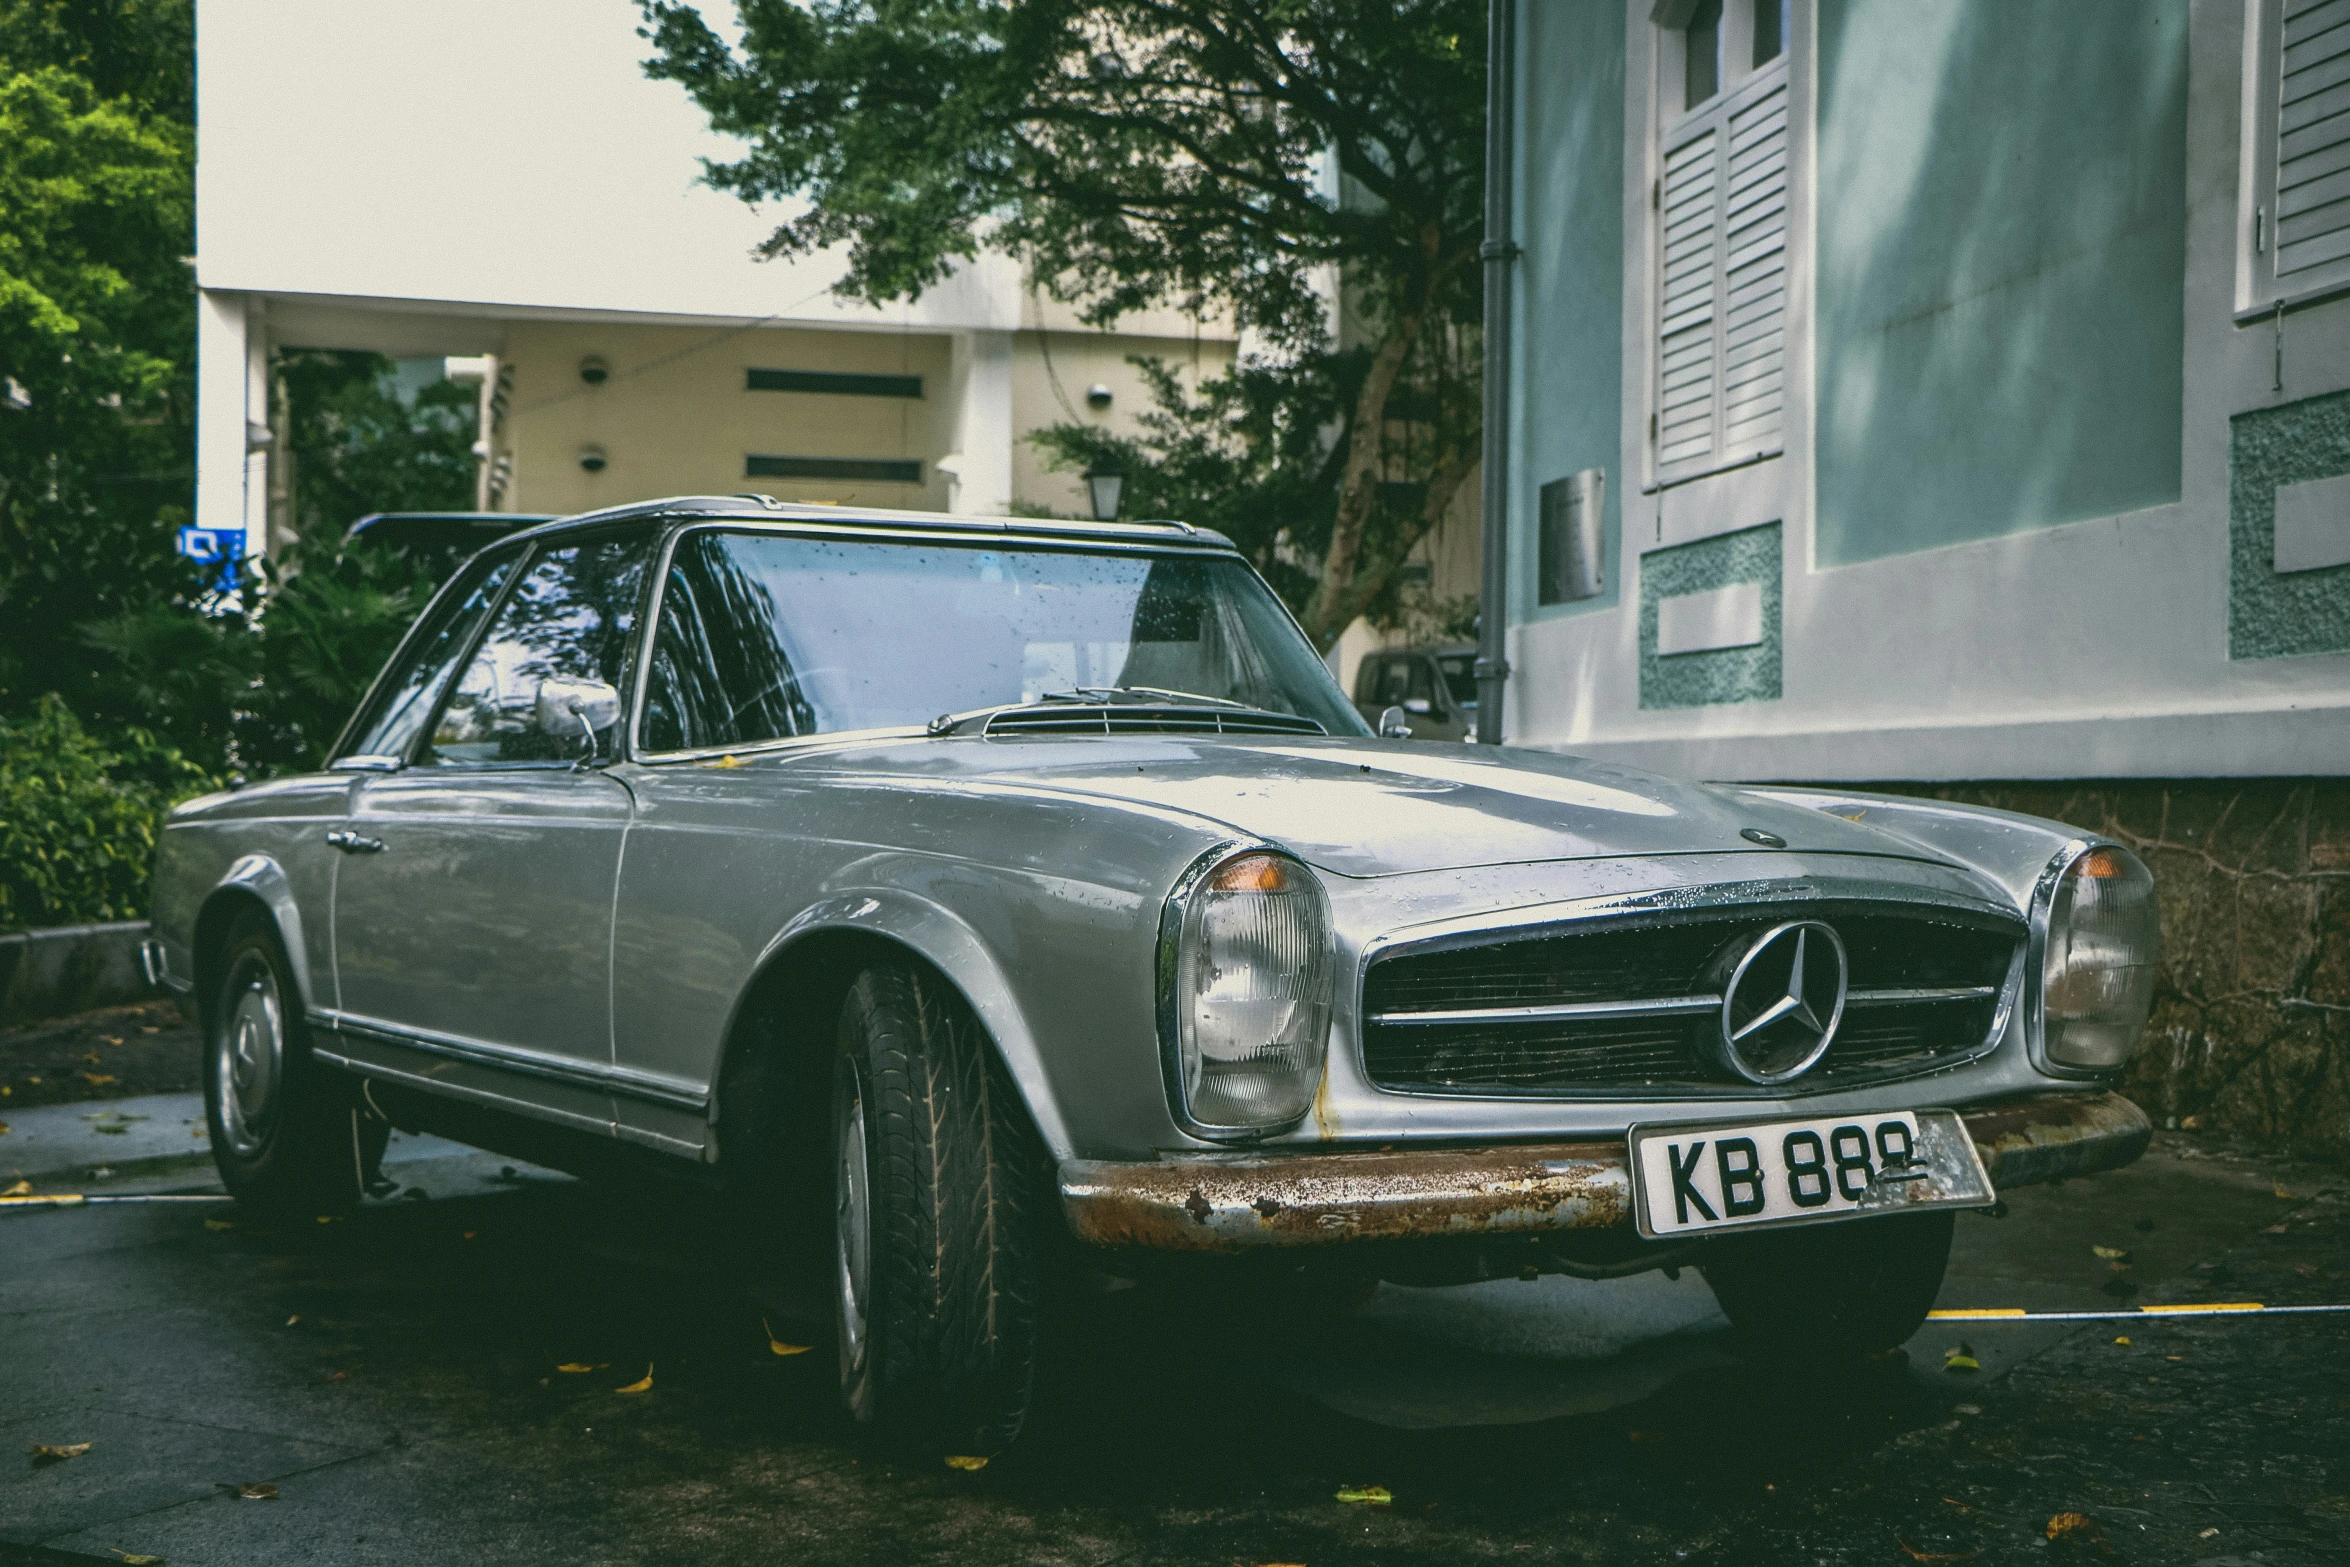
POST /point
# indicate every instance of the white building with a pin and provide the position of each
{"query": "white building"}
(436, 177)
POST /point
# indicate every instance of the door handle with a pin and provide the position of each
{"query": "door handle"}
(354, 843)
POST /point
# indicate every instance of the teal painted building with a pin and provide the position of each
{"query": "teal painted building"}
(1956, 389)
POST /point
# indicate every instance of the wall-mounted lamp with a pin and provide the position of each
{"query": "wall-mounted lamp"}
(1104, 485)
(592, 459)
(594, 371)
(1097, 396)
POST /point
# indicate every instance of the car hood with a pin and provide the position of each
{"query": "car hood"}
(1373, 808)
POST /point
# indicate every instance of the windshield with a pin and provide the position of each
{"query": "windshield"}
(765, 635)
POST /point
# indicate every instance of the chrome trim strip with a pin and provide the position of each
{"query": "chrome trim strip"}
(1575, 1009)
(1669, 1004)
(376, 1071)
(527, 1063)
(1895, 998)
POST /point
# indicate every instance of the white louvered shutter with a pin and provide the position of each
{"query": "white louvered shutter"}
(2312, 224)
(1721, 328)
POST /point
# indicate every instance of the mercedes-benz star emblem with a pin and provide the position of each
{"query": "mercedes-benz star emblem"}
(1783, 1002)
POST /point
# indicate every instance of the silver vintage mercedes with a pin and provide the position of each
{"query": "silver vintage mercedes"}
(967, 899)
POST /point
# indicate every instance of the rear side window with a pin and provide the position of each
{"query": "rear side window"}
(400, 716)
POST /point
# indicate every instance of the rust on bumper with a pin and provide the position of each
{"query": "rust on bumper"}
(1224, 1203)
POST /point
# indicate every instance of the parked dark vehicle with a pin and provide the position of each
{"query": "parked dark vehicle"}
(951, 894)
(440, 541)
(1435, 687)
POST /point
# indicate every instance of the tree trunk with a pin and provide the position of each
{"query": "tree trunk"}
(1369, 577)
(1358, 487)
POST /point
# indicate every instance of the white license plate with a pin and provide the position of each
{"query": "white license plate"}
(1697, 1177)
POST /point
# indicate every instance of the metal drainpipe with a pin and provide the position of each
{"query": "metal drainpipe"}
(1493, 669)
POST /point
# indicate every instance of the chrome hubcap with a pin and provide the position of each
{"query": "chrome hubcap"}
(251, 1060)
(852, 1216)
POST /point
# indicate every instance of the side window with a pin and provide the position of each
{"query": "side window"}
(1395, 682)
(720, 675)
(1367, 677)
(399, 718)
(546, 684)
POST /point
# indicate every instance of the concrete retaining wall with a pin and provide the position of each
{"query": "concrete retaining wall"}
(73, 968)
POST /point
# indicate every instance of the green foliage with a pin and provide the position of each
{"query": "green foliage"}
(359, 448)
(79, 817)
(1249, 455)
(97, 332)
(1140, 152)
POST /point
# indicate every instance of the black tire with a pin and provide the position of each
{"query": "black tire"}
(289, 1136)
(1848, 1288)
(938, 1337)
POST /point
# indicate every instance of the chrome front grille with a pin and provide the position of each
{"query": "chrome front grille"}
(1630, 1006)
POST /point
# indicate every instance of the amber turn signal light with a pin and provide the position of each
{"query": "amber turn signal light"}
(1251, 873)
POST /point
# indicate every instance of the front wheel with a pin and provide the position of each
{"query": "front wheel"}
(1851, 1287)
(287, 1135)
(936, 1181)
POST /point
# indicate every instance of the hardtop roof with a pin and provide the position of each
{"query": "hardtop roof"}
(760, 508)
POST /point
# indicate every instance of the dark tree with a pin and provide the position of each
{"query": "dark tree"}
(1213, 156)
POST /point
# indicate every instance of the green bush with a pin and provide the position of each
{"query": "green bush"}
(79, 818)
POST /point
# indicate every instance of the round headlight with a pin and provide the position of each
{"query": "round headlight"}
(2097, 972)
(1251, 993)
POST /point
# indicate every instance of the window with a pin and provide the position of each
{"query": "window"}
(2300, 151)
(1719, 370)
(764, 636)
(1701, 54)
(392, 729)
(546, 684)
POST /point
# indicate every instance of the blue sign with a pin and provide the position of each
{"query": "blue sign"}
(222, 546)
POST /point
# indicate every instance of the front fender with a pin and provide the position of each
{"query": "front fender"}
(946, 941)
(258, 876)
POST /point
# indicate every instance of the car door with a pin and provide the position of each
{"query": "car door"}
(473, 909)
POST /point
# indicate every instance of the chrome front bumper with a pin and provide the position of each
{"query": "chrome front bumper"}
(1234, 1203)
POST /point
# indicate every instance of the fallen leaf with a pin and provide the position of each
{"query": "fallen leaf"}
(330, 1218)
(2279, 1188)
(44, 1453)
(1916, 1555)
(1961, 1359)
(134, 1559)
(2072, 1526)
(2274, 1229)
(2207, 1534)
(20, 1189)
(112, 1039)
(778, 1346)
(642, 1385)
(1955, 1502)
(340, 1376)
(965, 1461)
(2111, 1253)
(219, 1224)
(469, 1234)
(1367, 1495)
(111, 1128)
(2308, 1270)
(197, 1131)
(257, 1491)
(296, 1317)
(2192, 1123)
(726, 761)
(1968, 1409)
(2124, 1341)
(101, 1079)
(575, 1367)
(149, 1028)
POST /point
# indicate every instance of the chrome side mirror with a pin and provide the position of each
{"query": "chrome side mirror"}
(1395, 724)
(578, 709)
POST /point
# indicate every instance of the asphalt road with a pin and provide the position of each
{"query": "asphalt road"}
(398, 1379)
